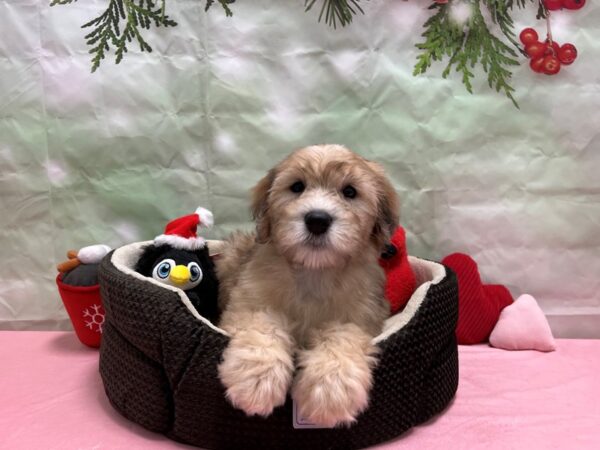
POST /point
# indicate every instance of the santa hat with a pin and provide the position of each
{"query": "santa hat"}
(181, 232)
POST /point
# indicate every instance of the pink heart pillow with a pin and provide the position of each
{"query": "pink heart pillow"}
(523, 326)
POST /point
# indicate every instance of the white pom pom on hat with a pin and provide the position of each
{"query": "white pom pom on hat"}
(206, 217)
(93, 254)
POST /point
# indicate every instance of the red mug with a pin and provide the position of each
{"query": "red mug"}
(84, 306)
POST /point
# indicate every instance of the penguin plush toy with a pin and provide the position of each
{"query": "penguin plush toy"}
(180, 258)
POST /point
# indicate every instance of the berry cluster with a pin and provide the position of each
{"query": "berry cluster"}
(555, 5)
(546, 57)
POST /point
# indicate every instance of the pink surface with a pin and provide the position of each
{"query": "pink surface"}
(51, 397)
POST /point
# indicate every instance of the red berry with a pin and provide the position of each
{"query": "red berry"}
(537, 64)
(572, 4)
(554, 5)
(552, 49)
(528, 36)
(567, 54)
(536, 49)
(551, 65)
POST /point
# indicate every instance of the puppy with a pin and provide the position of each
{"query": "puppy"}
(307, 287)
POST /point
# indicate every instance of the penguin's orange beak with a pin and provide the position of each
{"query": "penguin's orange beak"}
(180, 275)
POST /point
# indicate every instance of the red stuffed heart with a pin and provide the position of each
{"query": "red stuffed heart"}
(479, 305)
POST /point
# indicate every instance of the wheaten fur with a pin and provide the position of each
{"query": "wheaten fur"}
(296, 304)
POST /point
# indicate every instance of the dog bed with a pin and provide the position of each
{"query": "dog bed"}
(159, 357)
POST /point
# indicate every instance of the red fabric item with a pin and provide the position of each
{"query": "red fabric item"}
(400, 279)
(479, 305)
(181, 232)
(185, 227)
(84, 306)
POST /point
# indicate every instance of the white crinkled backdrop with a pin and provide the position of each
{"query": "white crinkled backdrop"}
(110, 157)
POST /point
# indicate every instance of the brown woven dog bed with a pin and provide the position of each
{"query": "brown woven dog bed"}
(158, 362)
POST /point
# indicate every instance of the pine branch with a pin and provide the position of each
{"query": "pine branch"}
(224, 5)
(336, 11)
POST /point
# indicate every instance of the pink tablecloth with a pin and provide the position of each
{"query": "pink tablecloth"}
(51, 397)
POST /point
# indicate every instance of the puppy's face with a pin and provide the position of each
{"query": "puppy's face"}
(323, 204)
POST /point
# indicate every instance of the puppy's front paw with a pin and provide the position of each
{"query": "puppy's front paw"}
(333, 385)
(329, 399)
(256, 373)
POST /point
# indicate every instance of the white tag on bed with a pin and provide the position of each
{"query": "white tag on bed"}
(299, 422)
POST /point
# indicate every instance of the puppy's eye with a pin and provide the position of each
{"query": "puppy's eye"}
(349, 192)
(297, 187)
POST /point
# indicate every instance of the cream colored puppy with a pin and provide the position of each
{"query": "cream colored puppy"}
(308, 287)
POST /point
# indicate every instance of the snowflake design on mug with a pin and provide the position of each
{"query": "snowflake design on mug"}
(94, 318)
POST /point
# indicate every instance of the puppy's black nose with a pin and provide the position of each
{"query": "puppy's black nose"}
(317, 221)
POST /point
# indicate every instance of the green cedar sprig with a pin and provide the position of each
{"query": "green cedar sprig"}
(119, 25)
(122, 23)
(471, 43)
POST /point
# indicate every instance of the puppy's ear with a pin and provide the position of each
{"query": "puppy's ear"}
(388, 207)
(260, 207)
